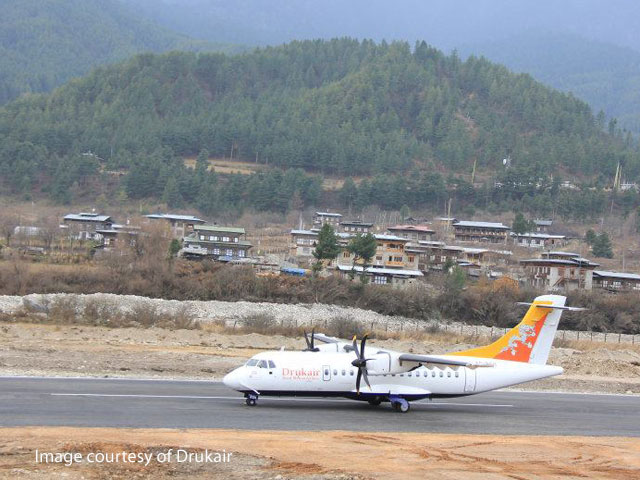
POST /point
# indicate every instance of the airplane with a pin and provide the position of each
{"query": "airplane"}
(336, 368)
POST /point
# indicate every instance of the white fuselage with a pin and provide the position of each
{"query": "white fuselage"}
(327, 374)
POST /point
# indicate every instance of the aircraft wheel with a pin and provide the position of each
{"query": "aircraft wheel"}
(251, 402)
(375, 401)
(402, 407)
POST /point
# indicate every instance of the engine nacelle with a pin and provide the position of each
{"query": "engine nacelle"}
(383, 363)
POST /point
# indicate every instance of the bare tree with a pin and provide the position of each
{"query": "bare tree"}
(8, 224)
(49, 229)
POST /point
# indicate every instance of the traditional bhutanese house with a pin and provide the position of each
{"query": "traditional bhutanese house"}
(468, 231)
(446, 221)
(119, 235)
(303, 242)
(539, 240)
(434, 255)
(355, 226)
(332, 219)
(558, 271)
(221, 243)
(178, 225)
(414, 233)
(381, 275)
(390, 253)
(543, 225)
(616, 281)
(84, 225)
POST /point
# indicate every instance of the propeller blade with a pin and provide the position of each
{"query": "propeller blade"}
(313, 338)
(358, 381)
(355, 347)
(364, 341)
(306, 338)
(366, 379)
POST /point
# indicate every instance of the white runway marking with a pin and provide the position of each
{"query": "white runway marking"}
(283, 399)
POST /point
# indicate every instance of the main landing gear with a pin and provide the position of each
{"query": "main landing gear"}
(399, 404)
(251, 399)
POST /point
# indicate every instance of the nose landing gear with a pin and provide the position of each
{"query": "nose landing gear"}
(251, 399)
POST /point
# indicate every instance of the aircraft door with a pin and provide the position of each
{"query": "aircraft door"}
(469, 380)
(326, 373)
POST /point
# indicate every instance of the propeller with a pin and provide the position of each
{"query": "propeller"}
(311, 343)
(360, 362)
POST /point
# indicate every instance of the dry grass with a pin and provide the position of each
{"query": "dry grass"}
(69, 311)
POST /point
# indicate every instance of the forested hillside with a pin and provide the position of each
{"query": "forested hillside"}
(605, 75)
(44, 43)
(334, 107)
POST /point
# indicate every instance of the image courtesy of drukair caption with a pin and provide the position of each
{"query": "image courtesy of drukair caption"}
(171, 455)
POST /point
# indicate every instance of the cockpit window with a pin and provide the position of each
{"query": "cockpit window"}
(262, 364)
(252, 363)
(271, 364)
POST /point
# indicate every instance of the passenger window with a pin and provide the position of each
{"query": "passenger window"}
(402, 374)
(271, 364)
(344, 373)
(326, 372)
(449, 374)
(433, 374)
(457, 374)
(351, 372)
(409, 374)
(441, 374)
(335, 372)
(425, 373)
(262, 364)
(252, 363)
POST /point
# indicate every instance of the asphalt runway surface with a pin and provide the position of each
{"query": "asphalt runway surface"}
(28, 401)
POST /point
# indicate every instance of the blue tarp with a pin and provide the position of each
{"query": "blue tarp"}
(294, 271)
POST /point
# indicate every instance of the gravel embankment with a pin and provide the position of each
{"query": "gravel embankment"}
(308, 315)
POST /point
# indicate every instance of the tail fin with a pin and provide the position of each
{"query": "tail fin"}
(529, 341)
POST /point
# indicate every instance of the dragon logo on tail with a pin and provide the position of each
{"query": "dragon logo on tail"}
(525, 332)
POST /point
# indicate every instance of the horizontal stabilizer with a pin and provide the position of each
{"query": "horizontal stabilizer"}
(554, 307)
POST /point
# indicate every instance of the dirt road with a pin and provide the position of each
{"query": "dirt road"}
(325, 455)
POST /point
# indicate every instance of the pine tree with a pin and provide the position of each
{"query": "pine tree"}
(602, 246)
(362, 247)
(521, 225)
(327, 247)
(171, 195)
(590, 237)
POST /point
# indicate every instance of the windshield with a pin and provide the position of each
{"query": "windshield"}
(252, 363)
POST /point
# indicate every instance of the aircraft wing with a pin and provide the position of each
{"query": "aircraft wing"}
(327, 339)
(433, 359)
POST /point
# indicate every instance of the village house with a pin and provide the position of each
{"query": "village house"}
(119, 235)
(303, 242)
(434, 255)
(616, 281)
(468, 231)
(392, 259)
(178, 226)
(332, 219)
(559, 271)
(83, 226)
(414, 233)
(539, 240)
(381, 275)
(220, 243)
(543, 225)
(356, 226)
(390, 253)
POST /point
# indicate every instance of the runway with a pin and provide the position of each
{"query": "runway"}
(26, 401)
